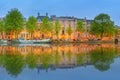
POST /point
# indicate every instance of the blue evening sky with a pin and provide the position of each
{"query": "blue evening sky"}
(77, 8)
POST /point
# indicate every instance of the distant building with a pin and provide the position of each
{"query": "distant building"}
(40, 17)
(65, 21)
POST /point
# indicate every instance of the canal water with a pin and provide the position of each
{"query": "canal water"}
(60, 62)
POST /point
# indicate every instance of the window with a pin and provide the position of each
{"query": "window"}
(63, 31)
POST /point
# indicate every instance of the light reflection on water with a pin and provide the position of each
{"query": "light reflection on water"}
(60, 62)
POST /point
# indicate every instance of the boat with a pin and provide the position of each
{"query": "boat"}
(24, 41)
(3, 41)
(32, 45)
(41, 41)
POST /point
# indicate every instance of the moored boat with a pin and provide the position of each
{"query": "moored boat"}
(23, 41)
(41, 41)
(3, 41)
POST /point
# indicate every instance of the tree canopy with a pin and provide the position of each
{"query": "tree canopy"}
(69, 30)
(2, 28)
(13, 64)
(46, 26)
(102, 25)
(31, 24)
(101, 58)
(80, 27)
(57, 28)
(14, 21)
(31, 60)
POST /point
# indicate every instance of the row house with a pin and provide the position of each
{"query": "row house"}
(65, 21)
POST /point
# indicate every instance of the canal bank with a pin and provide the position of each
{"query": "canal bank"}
(48, 41)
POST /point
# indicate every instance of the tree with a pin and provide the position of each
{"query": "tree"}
(101, 58)
(69, 55)
(14, 22)
(117, 30)
(31, 25)
(31, 60)
(57, 57)
(69, 31)
(46, 26)
(57, 28)
(80, 27)
(80, 58)
(46, 59)
(13, 63)
(102, 26)
(2, 28)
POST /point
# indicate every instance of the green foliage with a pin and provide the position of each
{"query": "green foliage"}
(116, 32)
(13, 63)
(1, 59)
(102, 25)
(2, 27)
(57, 57)
(80, 58)
(102, 58)
(31, 60)
(69, 30)
(46, 59)
(80, 27)
(46, 26)
(69, 55)
(57, 27)
(14, 21)
(31, 24)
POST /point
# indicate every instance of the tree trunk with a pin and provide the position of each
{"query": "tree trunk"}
(57, 37)
(101, 36)
(79, 36)
(16, 35)
(30, 36)
(69, 39)
(42, 36)
(51, 36)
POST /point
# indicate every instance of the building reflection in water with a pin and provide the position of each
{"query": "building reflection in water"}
(44, 57)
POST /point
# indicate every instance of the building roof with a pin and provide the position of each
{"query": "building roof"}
(40, 18)
(69, 18)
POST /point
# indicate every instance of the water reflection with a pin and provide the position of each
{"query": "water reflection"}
(15, 58)
(12, 62)
(101, 58)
